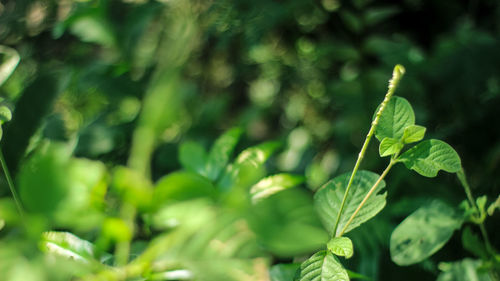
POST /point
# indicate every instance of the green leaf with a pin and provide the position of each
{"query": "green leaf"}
(423, 233)
(193, 157)
(182, 185)
(464, 270)
(248, 167)
(273, 184)
(286, 223)
(329, 197)
(5, 114)
(221, 152)
(68, 245)
(494, 206)
(430, 156)
(389, 146)
(472, 243)
(341, 246)
(322, 266)
(283, 272)
(413, 133)
(398, 114)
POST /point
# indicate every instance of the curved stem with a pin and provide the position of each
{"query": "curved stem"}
(372, 189)
(393, 83)
(10, 183)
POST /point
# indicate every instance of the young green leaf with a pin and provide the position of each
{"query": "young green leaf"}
(68, 245)
(413, 133)
(493, 206)
(193, 157)
(389, 146)
(341, 246)
(221, 152)
(322, 266)
(430, 156)
(273, 184)
(423, 233)
(397, 115)
(328, 199)
(464, 270)
(472, 243)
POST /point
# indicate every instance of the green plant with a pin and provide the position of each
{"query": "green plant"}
(351, 199)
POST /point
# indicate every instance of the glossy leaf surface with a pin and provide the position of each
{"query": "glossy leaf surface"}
(273, 184)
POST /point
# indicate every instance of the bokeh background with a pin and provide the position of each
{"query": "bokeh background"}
(307, 73)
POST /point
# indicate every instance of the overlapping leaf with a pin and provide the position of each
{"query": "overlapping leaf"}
(430, 156)
(273, 184)
(328, 199)
(221, 152)
(322, 266)
(398, 114)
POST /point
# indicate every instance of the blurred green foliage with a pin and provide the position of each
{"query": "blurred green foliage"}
(118, 106)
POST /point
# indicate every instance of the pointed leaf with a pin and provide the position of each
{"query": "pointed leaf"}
(397, 115)
(328, 199)
(423, 233)
(413, 133)
(389, 146)
(322, 266)
(430, 156)
(193, 157)
(68, 245)
(221, 152)
(273, 184)
(341, 246)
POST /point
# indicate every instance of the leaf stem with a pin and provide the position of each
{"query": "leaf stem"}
(10, 183)
(372, 189)
(463, 180)
(397, 73)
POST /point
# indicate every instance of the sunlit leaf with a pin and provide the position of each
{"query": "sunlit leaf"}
(328, 199)
(413, 133)
(322, 266)
(273, 184)
(221, 152)
(464, 270)
(430, 156)
(398, 114)
(193, 157)
(423, 233)
(389, 146)
(68, 245)
(341, 246)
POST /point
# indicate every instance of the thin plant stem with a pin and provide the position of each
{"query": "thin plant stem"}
(372, 189)
(10, 183)
(393, 83)
(463, 180)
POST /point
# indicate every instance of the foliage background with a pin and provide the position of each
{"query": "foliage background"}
(306, 73)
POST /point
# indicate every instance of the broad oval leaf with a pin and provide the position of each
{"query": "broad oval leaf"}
(182, 185)
(68, 245)
(329, 197)
(423, 233)
(273, 184)
(341, 246)
(221, 152)
(322, 266)
(193, 157)
(413, 133)
(430, 156)
(398, 114)
(389, 146)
